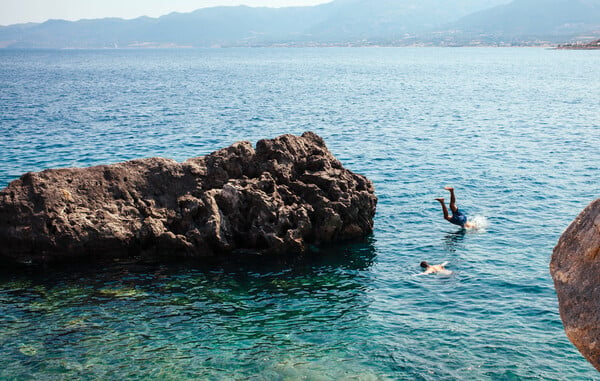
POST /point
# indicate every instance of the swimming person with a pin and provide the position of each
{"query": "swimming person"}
(432, 269)
(458, 217)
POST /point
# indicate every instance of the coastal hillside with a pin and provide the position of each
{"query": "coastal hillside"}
(534, 19)
(341, 22)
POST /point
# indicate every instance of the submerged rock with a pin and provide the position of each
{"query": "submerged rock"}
(575, 268)
(287, 193)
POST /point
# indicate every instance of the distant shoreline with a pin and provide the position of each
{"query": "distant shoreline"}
(290, 46)
(594, 45)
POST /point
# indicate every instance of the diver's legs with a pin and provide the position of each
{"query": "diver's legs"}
(453, 207)
(444, 209)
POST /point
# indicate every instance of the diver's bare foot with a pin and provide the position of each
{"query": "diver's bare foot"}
(449, 189)
(441, 199)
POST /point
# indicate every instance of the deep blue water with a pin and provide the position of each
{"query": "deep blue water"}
(515, 131)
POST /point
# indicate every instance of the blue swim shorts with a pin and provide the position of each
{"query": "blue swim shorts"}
(459, 218)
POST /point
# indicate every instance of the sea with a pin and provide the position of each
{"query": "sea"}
(516, 132)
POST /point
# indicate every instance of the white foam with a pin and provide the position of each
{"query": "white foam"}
(479, 223)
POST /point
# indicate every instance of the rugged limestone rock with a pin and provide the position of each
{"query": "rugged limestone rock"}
(285, 194)
(575, 268)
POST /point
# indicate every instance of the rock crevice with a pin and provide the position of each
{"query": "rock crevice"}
(287, 193)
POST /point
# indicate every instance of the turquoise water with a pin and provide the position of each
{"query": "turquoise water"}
(515, 131)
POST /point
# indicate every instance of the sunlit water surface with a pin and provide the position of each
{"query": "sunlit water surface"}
(514, 130)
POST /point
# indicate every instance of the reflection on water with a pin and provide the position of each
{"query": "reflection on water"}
(269, 316)
(454, 240)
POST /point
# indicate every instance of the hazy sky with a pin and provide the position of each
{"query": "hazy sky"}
(20, 11)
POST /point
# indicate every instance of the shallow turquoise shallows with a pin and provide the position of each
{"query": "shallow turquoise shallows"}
(515, 131)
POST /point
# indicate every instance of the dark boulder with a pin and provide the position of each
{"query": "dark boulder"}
(287, 193)
(575, 268)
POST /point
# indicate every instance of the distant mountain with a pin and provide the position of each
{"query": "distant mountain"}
(389, 20)
(393, 22)
(530, 19)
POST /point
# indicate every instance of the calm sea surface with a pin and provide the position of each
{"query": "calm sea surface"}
(515, 131)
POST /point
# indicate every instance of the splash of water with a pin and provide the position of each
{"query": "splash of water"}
(479, 223)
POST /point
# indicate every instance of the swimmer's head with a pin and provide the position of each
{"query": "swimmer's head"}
(424, 264)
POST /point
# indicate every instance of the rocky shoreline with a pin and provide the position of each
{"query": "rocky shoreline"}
(282, 196)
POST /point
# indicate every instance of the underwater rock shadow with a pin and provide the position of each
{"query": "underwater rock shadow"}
(352, 255)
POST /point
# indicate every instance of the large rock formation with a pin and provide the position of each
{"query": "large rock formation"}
(285, 194)
(575, 268)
